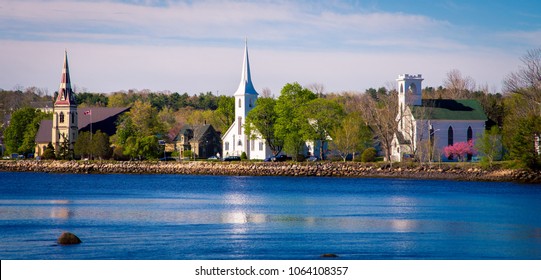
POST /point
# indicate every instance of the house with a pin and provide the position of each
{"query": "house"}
(68, 120)
(203, 140)
(427, 126)
(235, 141)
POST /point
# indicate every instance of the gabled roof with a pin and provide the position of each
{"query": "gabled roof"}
(448, 109)
(102, 119)
(97, 114)
(44, 132)
(246, 86)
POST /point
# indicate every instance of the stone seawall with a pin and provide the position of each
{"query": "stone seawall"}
(323, 169)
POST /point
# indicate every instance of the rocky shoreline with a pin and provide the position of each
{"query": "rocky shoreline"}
(320, 169)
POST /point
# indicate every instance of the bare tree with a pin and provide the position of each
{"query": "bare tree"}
(266, 92)
(317, 88)
(382, 119)
(526, 82)
(458, 87)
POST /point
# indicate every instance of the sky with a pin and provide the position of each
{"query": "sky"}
(197, 46)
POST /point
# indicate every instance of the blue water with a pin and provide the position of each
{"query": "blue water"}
(221, 217)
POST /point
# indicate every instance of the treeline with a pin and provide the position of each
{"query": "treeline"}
(354, 120)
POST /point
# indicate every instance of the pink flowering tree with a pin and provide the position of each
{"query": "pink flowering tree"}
(460, 150)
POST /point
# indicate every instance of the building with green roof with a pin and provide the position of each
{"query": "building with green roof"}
(427, 126)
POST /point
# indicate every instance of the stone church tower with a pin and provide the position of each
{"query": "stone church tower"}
(65, 123)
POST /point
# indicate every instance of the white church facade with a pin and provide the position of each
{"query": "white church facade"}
(427, 126)
(235, 141)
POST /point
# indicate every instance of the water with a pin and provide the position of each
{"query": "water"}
(212, 217)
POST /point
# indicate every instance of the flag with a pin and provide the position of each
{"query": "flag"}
(88, 112)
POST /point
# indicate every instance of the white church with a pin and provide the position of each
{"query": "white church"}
(427, 126)
(235, 141)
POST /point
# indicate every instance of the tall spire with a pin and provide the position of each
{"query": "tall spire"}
(246, 86)
(65, 93)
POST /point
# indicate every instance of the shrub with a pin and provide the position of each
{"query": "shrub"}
(187, 153)
(369, 155)
(243, 156)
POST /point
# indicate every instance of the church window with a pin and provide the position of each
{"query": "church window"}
(61, 117)
(470, 134)
(240, 142)
(226, 146)
(450, 140)
(72, 118)
(240, 103)
(240, 125)
(261, 146)
(252, 145)
(250, 102)
(401, 88)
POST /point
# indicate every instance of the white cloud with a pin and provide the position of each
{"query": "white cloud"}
(197, 46)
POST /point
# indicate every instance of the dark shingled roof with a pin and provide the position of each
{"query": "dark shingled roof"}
(448, 109)
(44, 133)
(102, 119)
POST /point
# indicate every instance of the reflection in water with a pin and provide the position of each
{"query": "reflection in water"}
(404, 225)
(61, 213)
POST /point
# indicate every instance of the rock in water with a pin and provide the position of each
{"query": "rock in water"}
(68, 238)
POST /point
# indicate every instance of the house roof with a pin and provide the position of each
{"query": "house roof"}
(102, 119)
(44, 133)
(97, 114)
(448, 109)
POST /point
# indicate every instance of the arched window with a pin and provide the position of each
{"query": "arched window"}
(401, 88)
(450, 140)
(240, 142)
(470, 134)
(239, 102)
(61, 117)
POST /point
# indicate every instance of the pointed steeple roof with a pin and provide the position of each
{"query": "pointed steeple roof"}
(246, 86)
(65, 93)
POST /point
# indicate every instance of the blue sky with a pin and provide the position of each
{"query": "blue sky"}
(196, 46)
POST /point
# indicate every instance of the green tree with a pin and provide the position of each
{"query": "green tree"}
(83, 145)
(351, 136)
(226, 110)
(49, 153)
(523, 145)
(290, 121)
(490, 145)
(20, 135)
(64, 151)
(131, 148)
(369, 155)
(149, 147)
(101, 146)
(262, 119)
(322, 117)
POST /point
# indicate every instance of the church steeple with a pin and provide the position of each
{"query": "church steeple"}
(246, 86)
(65, 93)
(65, 118)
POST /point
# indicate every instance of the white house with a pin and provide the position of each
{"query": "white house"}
(234, 140)
(427, 126)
